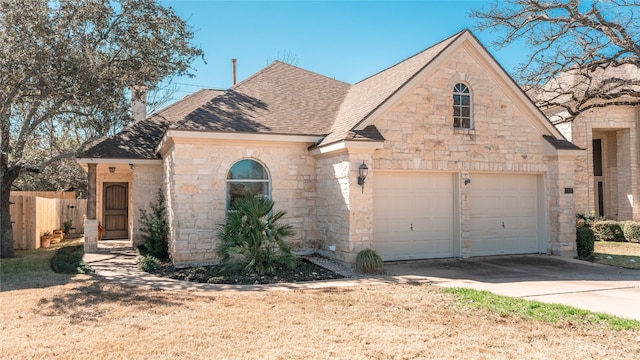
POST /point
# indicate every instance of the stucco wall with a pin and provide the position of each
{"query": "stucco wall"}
(197, 175)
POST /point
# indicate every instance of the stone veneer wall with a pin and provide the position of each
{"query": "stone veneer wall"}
(147, 180)
(196, 174)
(617, 126)
(420, 136)
(344, 214)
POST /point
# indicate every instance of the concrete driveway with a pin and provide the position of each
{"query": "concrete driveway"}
(536, 277)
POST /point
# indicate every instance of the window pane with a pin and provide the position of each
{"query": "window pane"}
(244, 189)
(466, 112)
(247, 169)
(456, 111)
(466, 100)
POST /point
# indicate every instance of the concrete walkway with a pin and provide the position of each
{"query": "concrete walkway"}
(544, 278)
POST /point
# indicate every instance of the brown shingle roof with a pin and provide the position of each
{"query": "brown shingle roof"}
(367, 95)
(280, 99)
(139, 140)
(561, 144)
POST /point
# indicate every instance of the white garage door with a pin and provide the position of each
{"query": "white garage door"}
(413, 215)
(504, 214)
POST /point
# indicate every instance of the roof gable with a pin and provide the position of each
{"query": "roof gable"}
(369, 94)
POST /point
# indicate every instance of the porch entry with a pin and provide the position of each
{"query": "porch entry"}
(115, 211)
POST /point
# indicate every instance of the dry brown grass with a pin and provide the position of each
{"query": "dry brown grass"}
(90, 318)
(617, 248)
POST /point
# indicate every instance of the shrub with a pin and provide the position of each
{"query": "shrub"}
(369, 262)
(608, 230)
(155, 229)
(68, 260)
(586, 220)
(252, 240)
(584, 242)
(631, 231)
(148, 263)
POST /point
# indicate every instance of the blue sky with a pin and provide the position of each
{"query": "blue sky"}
(346, 40)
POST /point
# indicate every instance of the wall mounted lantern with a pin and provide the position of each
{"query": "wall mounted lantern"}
(363, 171)
(112, 169)
(132, 166)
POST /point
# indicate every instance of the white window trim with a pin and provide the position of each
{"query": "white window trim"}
(228, 181)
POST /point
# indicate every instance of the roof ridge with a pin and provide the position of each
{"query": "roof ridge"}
(278, 62)
(451, 38)
(176, 103)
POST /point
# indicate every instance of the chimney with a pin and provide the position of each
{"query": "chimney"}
(233, 70)
(138, 102)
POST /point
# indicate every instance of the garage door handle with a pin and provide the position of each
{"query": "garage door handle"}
(503, 224)
(411, 227)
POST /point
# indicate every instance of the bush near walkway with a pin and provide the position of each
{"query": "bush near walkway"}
(608, 230)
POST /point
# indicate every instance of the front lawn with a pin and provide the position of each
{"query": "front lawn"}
(46, 319)
(620, 254)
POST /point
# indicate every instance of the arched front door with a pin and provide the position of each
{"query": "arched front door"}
(115, 211)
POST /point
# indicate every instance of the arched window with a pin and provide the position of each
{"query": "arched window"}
(247, 178)
(461, 107)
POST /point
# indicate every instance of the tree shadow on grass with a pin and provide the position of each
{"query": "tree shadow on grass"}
(92, 299)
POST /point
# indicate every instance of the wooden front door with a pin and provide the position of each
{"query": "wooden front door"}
(115, 210)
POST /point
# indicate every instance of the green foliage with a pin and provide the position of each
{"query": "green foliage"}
(585, 242)
(585, 220)
(65, 70)
(528, 309)
(155, 229)
(631, 231)
(608, 230)
(67, 225)
(148, 263)
(252, 240)
(369, 262)
(68, 260)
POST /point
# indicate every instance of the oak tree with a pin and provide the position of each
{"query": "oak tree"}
(65, 67)
(584, 54)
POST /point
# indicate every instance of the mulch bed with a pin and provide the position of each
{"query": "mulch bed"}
(304, 271)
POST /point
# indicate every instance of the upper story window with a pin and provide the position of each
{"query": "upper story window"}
(461, 107)
(247, 178)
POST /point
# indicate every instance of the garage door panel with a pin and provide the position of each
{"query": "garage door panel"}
(503, 214)
(413, 215)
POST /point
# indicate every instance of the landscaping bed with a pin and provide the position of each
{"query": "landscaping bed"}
(304, 271)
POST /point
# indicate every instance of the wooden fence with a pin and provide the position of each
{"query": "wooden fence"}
(47, 194)
(33, 215)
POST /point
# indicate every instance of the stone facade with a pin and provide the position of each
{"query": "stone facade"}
(617, 129)
(196, 186)
(317, 184)
(420, 137)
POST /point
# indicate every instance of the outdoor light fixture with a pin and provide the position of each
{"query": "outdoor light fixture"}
(132, 166)
(467, 181)
(112, 169)
(363, 170)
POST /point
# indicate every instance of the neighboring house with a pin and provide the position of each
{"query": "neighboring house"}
(606, 174)
(460, 162)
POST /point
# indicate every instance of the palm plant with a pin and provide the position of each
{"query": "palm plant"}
(252, 240)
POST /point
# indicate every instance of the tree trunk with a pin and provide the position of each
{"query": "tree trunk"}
(6, 232)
